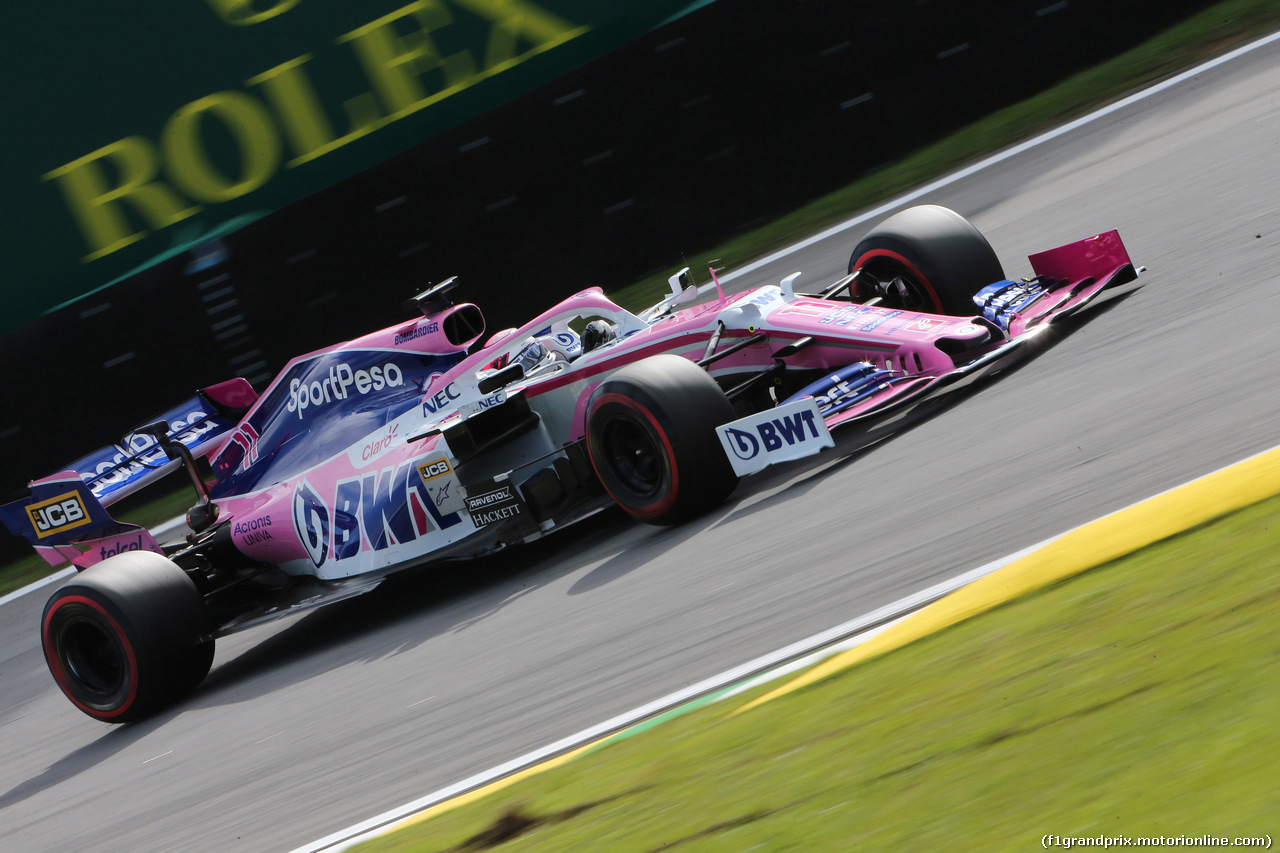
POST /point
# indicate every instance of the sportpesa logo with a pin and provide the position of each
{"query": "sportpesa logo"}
(339, 384)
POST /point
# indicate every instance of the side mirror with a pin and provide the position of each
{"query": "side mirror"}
(679, 282)
(501, 379)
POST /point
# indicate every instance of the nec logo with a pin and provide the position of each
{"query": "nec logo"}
(438, 401)
(58, 515)
(788, 432)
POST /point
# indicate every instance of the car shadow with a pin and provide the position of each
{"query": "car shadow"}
(115, 739)
(439, 599)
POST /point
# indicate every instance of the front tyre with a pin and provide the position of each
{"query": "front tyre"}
(651, 436)
(926, 258)
(127, 637)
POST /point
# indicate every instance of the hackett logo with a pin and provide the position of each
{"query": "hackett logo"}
(58, 515)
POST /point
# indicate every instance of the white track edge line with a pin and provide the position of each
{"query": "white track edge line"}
(32, 587)
(373, 826)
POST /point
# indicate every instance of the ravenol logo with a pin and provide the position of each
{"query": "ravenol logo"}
(58, 515)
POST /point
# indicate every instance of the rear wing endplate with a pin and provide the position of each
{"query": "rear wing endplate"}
(65, 518)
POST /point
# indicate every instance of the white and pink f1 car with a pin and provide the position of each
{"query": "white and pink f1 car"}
(422, 442)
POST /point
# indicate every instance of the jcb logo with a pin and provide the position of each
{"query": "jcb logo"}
(58, 515)
(434, 469)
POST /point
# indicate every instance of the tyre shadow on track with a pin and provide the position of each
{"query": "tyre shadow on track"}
(425, 603)
(114, 740)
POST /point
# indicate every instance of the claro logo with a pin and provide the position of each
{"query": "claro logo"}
(340, 383)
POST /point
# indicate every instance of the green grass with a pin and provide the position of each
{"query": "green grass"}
(1211, 32)
(1137, 699)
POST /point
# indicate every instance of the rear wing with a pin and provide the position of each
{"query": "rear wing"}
(201, 424)
(65, 517)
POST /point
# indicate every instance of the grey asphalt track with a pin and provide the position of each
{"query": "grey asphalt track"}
(313, 724)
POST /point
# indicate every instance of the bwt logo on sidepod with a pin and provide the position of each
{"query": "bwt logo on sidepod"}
(787, 432)
(370, 512)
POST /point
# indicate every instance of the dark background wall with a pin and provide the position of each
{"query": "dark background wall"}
(710, 125)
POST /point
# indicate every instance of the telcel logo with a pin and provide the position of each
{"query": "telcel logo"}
(57, 515)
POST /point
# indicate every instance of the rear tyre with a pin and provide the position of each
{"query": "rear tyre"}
(127, 637)
(651, 436)
(940, 259)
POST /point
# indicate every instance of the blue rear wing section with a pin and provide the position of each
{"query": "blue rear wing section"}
(118, 470)
(70, 506)
(60, 510)
(64, 522)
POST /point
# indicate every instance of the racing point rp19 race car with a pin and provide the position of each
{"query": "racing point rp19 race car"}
(421, 443)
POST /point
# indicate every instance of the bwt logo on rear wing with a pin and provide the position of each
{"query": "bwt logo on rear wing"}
(788, 432)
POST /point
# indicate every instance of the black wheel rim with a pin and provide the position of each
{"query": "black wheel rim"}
(633, 456)
(92, 657)
(913, 295)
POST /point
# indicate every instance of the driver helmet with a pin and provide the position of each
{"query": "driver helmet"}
(597, 333)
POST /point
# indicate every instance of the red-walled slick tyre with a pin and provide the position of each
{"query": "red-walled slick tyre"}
(937, 257)
(651, 436)
(127, 637)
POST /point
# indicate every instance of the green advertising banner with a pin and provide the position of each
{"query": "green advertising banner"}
(136, 130)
